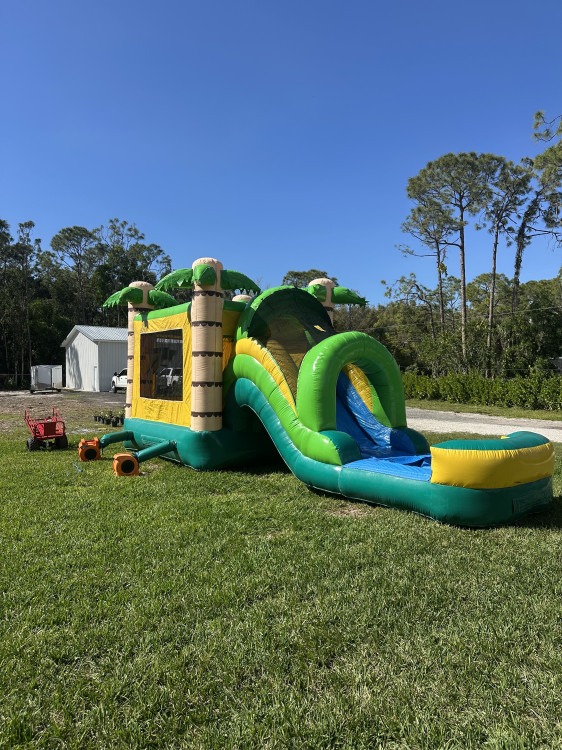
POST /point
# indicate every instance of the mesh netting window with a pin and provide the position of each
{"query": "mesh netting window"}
(161, 365)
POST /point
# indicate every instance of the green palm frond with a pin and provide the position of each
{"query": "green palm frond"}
(161, 299)
(233, 280)
(204, 274)
(128, 294)
(341, 295)
(318, 291)
(183, 277)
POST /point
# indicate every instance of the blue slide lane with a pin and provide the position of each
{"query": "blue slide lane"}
(383, 449)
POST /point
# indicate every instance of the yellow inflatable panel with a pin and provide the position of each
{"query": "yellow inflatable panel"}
(263, 356)
(490, 469)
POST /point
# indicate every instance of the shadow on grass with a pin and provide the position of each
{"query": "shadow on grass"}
(549, 518)
(271, 466)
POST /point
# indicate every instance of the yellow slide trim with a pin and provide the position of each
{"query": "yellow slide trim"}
(230, 322)
(252, 348)
(483, 469)
(361, 383)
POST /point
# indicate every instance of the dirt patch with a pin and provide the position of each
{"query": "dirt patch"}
(76, 407)
(353, 510)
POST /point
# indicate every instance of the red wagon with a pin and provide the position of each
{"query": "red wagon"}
(47, 432)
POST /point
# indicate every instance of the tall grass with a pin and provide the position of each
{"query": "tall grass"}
(240, 610)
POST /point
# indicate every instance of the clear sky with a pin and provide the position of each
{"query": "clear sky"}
(273, 135)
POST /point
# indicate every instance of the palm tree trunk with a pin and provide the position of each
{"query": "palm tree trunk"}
(131, 313)
(206, 336)
(327, 303)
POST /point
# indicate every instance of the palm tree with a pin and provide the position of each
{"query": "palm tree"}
(139, 295)
(209, 280)
(326, 292)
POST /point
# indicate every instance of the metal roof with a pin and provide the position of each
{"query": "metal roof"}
(97, 334)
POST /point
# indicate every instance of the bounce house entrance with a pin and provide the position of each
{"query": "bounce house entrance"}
(288, 324)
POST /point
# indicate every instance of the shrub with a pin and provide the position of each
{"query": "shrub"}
(536, 391)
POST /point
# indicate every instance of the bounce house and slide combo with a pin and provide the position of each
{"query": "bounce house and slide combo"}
(218, 382)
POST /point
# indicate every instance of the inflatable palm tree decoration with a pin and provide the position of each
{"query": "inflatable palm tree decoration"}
(139, 295)
(329, 295)
(209, 280)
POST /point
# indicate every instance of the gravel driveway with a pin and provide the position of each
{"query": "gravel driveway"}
(480, 424)
(77, 408)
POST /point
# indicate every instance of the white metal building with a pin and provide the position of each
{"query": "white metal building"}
(93, 354)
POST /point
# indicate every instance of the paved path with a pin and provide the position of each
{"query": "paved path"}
(481, 424)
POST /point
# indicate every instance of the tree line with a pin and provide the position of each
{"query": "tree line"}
(44, 292)
(493, 324)
(515, 203)
(526, 340)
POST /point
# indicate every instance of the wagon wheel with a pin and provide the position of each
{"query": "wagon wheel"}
(33, 444)
(61, 442)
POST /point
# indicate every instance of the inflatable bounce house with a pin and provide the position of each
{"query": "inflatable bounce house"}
(219, 382)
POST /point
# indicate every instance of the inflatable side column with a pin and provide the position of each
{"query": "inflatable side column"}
(132, 311)
(327, 303)
(206, 335)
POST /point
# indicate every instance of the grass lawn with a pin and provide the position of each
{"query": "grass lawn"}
(241, 610)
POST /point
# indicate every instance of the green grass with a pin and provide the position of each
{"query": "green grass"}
(496, 411)
(240, 610)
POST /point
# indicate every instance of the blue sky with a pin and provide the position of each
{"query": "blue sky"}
(274, 136)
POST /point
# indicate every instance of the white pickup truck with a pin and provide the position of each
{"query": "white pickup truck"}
(119, 380)
(169, 376)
